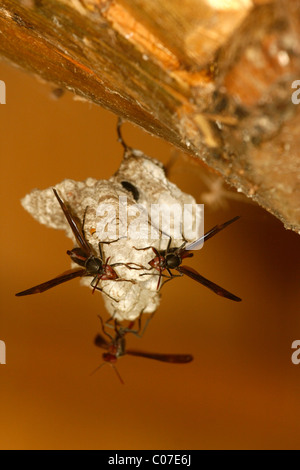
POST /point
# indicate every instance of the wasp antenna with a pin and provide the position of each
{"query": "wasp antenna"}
(117, 372)
(113, 366)
(97, 368)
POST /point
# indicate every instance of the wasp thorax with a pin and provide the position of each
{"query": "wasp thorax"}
(172, 261)
(93, 265)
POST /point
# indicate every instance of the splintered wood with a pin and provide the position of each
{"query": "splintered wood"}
(215, 78)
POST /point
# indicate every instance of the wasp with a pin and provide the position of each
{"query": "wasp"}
(90, 264)
(171, 258)
(116, 348)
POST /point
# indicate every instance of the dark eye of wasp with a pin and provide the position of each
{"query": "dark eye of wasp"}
(172, 261)
(132, 189)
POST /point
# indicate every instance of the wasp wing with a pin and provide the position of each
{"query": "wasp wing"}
(66, 276)
(211, 233)
(171, 358)
(75, 225)
(205, 282)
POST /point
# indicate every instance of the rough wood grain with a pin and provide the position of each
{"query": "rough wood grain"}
(213, 78)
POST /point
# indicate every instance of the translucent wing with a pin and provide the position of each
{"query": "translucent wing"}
(194, 245)
(171, 358)
(205, 282)
(75, 225)
(66, 276)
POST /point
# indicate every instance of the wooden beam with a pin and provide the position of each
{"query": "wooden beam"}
(213, 78)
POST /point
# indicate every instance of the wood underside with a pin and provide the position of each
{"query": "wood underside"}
(213, 78)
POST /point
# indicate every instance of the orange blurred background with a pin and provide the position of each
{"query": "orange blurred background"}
(242, 389)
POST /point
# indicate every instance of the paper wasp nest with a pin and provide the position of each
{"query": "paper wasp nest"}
(139, 182)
